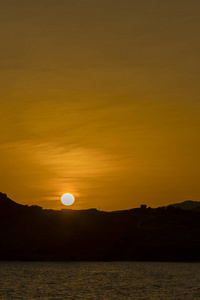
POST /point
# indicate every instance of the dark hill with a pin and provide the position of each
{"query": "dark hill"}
(6, 202)
(162, 234)
(187, 205)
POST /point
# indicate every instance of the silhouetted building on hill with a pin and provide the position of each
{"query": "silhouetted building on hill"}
(143, 206)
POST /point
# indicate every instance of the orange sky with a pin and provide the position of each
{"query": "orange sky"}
(100, 99)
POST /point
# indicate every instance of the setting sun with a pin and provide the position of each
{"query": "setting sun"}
(67, 199)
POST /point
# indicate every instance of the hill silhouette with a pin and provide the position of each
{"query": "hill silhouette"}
(161, 234)
(187, 205)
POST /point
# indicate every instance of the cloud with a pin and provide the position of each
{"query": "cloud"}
(49, 169)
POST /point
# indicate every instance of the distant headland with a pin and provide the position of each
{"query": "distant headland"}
(169, 233)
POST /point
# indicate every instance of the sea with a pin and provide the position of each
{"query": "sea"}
(99, 280)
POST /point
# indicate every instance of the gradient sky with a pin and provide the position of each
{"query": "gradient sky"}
(100, 98)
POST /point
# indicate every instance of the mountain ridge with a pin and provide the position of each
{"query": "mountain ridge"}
(152, 234)
(187, 205)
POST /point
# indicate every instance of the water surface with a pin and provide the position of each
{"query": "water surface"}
(99, 280)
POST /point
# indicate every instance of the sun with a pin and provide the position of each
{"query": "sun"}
(67, 199)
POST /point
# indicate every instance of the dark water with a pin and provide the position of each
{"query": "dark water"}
(99, 280)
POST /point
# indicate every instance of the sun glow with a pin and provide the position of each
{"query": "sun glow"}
(67, 199)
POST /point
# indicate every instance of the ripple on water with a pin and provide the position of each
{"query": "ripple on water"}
(99, 280)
